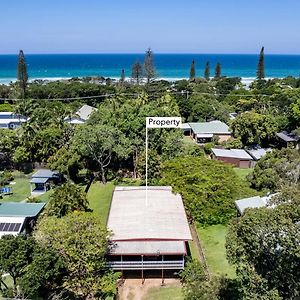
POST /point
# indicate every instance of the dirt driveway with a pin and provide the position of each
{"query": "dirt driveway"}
(133, 289)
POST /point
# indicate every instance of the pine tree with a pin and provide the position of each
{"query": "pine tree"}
(149, 67)
(192, 71)
(207, 71)
(22, 74)
(260, 73)
(218, 71)
(137, 72)
(122, 78)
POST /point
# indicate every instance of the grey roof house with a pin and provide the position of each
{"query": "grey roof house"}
(237, 157)
(203, 132)
(288, 139)
(40, 181)
(82, 115)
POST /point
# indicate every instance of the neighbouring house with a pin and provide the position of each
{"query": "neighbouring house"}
(18, 217)
(257, 154)
(82, 115)
(237, 157)
(252, 202)
(287, 139)
(150, 230)
(42, 180)
(204, 132)
(10, 120)
(186, 129)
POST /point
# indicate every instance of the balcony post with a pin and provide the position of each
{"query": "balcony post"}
(162, 270)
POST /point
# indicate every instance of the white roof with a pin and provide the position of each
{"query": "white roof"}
(8, 121)
(185, 126)
(232, 153)
(13, 221)
(161, 217)
(85, 111)
(252, 202)
(149, 247)
(6, 113)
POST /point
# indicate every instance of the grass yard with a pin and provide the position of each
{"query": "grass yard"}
(21, 188)
(213, 241)
(99, 197)
(164, 293)
(242, 173)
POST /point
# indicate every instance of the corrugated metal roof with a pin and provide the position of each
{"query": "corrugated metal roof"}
(185, 126)
(258, 153)
(149, 247)
(161, 217)
(85, 111)
(39, 180)
(44, 173)
(231, 153)
(253, 202)
(287, 137)
(214, 127)
(20, 209)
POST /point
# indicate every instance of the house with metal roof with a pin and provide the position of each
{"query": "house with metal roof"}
(287, 139)
(42, 179)
(10, 120)
(204, 132)
(237, 157)
(149, 229)
(257, 154)
(18, 217)
(252, 202)
(82, 115)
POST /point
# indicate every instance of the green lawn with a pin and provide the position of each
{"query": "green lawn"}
(242, 173)
(99, 197)
(164, 293)
(21, 188)
(45, 197)
(213, 241)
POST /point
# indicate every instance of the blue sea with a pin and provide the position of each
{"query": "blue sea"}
(169, 66)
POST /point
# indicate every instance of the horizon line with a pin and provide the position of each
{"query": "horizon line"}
(142, 53)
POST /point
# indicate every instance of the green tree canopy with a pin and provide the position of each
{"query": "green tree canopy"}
(277, 169)
(264, 245)
(66, 199)
(254, 128)
(208, 187)
(82, 241)
(260, 74)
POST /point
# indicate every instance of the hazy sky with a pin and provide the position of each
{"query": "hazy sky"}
(168, 26)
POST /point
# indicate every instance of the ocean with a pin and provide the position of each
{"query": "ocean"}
(168, 66)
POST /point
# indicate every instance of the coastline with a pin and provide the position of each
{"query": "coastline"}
(7, 81)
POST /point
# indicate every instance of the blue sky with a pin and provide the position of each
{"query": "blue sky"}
(168, 26)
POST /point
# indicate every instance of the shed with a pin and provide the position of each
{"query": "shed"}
(237, 157)
(40, 181)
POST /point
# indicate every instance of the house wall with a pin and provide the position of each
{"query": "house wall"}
(234, 161)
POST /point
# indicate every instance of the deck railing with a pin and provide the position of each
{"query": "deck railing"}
(147, 265)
